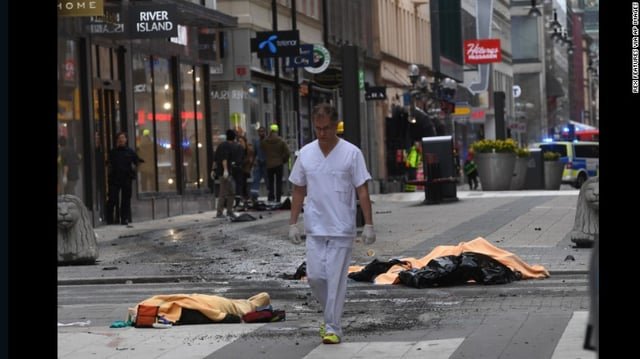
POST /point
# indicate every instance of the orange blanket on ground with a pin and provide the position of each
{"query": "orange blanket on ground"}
(214, 307)
(478, 245)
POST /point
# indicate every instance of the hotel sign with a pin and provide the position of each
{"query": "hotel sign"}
(81, 8)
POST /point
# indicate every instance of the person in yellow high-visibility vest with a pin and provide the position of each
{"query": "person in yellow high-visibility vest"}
(414, 158)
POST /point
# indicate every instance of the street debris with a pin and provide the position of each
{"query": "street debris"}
(75, 324)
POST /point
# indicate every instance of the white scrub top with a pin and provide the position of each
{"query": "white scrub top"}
(330, 208)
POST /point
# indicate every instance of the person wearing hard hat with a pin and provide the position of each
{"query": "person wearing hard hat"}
(277, 153)
(340, 131)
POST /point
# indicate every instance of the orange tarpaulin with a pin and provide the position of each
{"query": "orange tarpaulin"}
(478, 245)
(214, 307)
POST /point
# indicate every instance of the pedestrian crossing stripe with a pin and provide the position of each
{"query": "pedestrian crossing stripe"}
(432, 349)
(572, 339)
(198, 341)
(181, 341)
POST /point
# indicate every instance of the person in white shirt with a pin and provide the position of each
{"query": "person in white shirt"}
(329, 171)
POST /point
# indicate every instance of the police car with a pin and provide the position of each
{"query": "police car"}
(581, 159)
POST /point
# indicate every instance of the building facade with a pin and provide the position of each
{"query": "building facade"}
(142, 68)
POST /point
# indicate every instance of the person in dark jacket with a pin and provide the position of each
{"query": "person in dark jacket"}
(228, 160)
(122, 162)
(277, 154)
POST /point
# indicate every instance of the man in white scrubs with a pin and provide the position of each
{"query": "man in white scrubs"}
(329, 171)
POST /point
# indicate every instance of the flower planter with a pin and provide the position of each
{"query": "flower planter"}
(553, 174)
(519, 173)
(495, 170)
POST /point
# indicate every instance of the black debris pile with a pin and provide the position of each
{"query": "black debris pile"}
(456, 270)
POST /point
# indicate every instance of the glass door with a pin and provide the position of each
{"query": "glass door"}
(107, 124)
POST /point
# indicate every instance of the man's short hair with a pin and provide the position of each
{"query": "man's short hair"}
(325, 109)
(231, 135)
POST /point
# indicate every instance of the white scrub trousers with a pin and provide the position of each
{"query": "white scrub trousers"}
(327, 268)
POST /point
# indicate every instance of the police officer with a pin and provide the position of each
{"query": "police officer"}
(122, 162)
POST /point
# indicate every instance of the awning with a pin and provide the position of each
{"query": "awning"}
(197, 15)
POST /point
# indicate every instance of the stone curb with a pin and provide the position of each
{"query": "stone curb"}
(169, 279)
(568, 272)
(121, 280)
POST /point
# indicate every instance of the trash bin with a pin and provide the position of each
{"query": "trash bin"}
(535, 170)
(440, 179)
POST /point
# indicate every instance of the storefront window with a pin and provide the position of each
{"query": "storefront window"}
(200, 127)
(165, 135)
(70, 168)
(192, 124)
(143, 123)
(219, 113)
(156, 140)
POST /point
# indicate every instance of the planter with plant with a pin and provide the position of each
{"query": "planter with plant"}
(496, 160)
(553, 169)
(520, 169)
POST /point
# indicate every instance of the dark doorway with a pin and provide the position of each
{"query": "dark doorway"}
(107, 122)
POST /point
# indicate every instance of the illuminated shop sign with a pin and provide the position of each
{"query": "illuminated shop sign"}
(150, 21)
(482, 51)
(81, 8)
(111, 23)
(276, 44)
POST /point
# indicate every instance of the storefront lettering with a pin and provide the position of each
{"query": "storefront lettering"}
(229, 95)
(109, 18)
(77, 5)
(106, 28)
(153, 16)
(81, 8)
(155, 21)
(154, 26)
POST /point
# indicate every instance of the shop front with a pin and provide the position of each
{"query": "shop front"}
(142, 68)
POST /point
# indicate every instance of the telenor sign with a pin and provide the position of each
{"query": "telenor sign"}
(276, 44)
(482, 51)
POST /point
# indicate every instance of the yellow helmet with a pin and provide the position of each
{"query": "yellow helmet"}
(340, 127)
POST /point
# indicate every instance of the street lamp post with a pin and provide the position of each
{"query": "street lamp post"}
(436, 98)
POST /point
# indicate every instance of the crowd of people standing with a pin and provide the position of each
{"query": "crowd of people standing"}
(237, 161)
